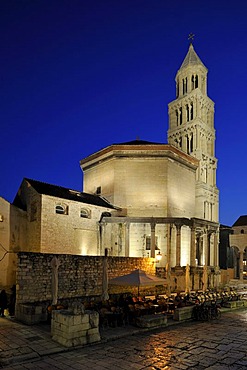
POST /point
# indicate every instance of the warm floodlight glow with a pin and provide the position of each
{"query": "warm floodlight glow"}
(158, 257)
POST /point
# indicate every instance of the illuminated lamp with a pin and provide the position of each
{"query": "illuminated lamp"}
(158, 257)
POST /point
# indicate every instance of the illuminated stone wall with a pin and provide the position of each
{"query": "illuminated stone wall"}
(7, 278)
(78, 276)
(39, 228)
(150, 180)
(69, 233)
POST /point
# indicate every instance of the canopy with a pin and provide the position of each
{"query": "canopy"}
(137, 278)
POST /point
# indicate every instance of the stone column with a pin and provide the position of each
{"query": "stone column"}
(152, 240)
(189, 83)
(101, 238)
(178, 245)
(208, 255)
(168, 244)
(127, 239)
(184, 143)
(192, 246)
(104, 234)
(241, 265)
(216, 253)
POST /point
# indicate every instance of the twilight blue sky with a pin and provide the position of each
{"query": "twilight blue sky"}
(79, 75)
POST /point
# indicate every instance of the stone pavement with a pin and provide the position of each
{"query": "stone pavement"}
(20, 342)
(220, 344)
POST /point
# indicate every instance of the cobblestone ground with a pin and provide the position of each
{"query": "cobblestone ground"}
(211, 345)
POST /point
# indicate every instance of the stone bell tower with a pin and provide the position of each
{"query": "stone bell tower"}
(191, 129)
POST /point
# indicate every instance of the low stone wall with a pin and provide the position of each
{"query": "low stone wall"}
(186, 313)
(79, 278)
(31, 314)
(235, 304)
(151, 321)
(183, 313)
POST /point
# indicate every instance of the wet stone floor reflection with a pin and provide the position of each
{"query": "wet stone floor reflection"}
(218, 344)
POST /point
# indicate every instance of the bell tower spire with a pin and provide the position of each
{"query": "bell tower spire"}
(191, 129)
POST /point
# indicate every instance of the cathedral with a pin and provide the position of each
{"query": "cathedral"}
(139, 198)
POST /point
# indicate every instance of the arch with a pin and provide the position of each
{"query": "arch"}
(180, 116)
(85, 213)
(196, 81)
(61, 209)
(185, 86)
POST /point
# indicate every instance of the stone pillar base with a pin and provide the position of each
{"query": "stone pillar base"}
(71, 330)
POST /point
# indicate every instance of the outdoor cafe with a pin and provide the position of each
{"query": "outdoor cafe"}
(133, 309)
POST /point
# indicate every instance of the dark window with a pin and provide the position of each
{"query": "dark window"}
(196, 82)
(188, 145)
(61, 209)
(181, 116)
(148, 243)
(85, 213)
(188, 112)
(177, 116)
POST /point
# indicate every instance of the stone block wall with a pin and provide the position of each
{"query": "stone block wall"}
(69, 232)
(71, 330)
(78, 276)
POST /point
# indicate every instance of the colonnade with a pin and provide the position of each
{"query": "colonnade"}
(203, 238)
(197, 233)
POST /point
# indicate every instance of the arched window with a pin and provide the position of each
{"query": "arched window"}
(61, 209)
(191, 144)
(242, 231)
(84, 213)
(180, 116)
(188, 144)
(184, 85)
(187, 112)
(196, 81)
(191, 111)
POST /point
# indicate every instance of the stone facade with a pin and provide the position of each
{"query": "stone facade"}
(127, 173)
(5, 257)
(238, 243)
(48, 231)
(78, 276)
(191, 129)
(13, 234)
(161, 213)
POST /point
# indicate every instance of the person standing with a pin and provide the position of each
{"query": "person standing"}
(12, 300)
(3, 302)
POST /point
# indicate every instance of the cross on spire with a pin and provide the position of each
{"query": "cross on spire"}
(191, 37)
